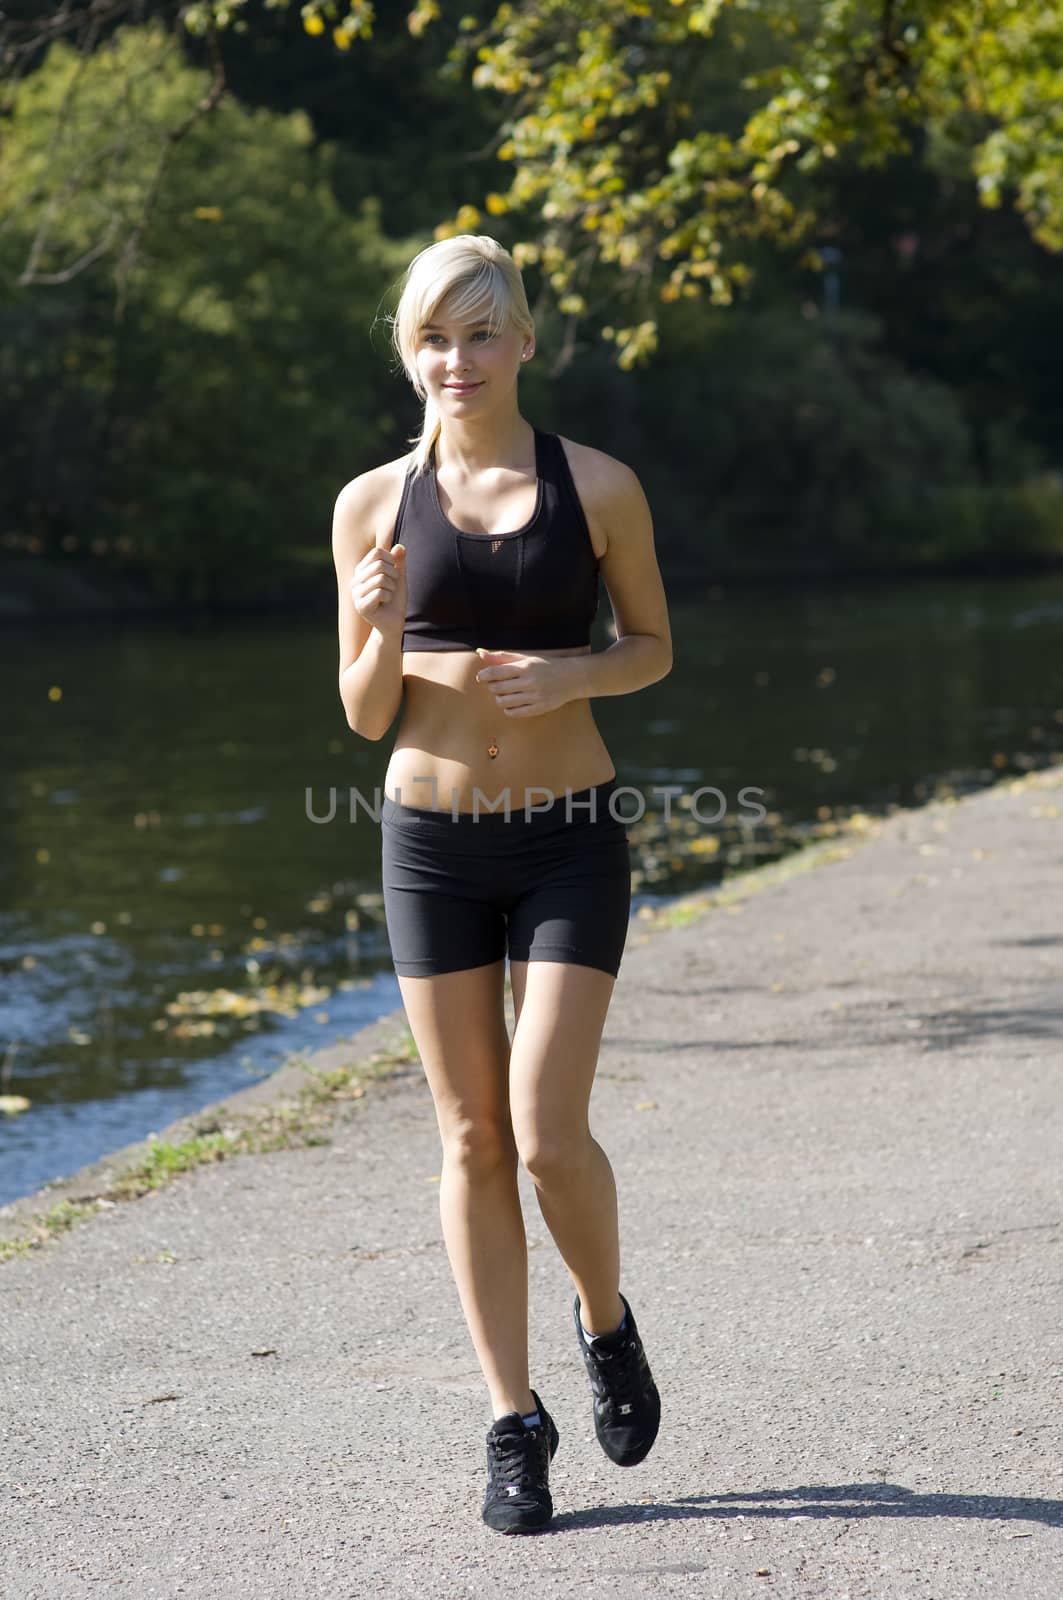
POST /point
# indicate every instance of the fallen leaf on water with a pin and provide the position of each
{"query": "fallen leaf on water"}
(209, 1004)
(194, 1030)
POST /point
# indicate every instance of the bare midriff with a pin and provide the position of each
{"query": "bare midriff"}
(450, 724)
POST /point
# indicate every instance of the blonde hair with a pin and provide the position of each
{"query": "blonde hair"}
(485, 282)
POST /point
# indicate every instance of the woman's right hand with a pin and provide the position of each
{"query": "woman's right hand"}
(378, 588)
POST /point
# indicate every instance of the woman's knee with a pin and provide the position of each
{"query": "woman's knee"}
(550, 1155)
(478, 1143)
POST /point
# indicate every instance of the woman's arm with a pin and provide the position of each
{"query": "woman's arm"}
(370, 670)
(642, 652)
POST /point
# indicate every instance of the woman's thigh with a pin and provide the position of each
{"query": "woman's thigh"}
(560, 1009)
(567, 931)
(458, 1023)
(439, 899)
(573, 900)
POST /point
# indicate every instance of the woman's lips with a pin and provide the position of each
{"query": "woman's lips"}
(461, 388)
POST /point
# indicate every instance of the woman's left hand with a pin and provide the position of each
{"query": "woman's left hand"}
(523, 685)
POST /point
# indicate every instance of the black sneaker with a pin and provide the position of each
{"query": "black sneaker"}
(518, 1473)
(627, 1407)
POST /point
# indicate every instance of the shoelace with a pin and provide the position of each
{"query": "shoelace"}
(512, 1454)
(619, 1375)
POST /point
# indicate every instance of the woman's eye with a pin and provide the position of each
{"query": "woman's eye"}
(481, 332)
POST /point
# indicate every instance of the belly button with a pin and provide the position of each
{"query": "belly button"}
(492, 748)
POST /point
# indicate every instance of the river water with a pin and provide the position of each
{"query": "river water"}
(173, 923)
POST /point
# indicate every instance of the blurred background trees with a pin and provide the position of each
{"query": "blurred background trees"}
(796, 263)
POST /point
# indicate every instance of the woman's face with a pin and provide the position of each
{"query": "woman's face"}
(461, 363)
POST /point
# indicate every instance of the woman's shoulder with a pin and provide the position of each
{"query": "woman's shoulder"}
(370, 500)
(605, 486)
(598, 476)
(379, 479)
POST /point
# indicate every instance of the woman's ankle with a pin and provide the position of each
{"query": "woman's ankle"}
(502, 1407)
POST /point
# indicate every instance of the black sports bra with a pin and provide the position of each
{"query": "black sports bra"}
(535, 588)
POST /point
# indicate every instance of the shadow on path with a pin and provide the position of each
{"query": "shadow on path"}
(851, 1501)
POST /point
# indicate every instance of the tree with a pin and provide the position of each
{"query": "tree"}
(652, 142)
(204, 433)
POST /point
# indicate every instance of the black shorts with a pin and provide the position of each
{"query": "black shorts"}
(549, 885)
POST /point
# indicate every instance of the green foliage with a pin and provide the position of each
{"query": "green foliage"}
(208, 429)
(188, 392)
(817, 452)
(641, 135)
(983, 526)
(621, 155)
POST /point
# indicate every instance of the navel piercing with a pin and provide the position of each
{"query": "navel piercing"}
(492, 748)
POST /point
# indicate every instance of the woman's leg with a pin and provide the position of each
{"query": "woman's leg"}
(459, 1026)
(560, 1010)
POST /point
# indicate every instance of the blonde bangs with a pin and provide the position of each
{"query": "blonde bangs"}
(481, 299)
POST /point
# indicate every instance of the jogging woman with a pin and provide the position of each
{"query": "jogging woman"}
(468, 578)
